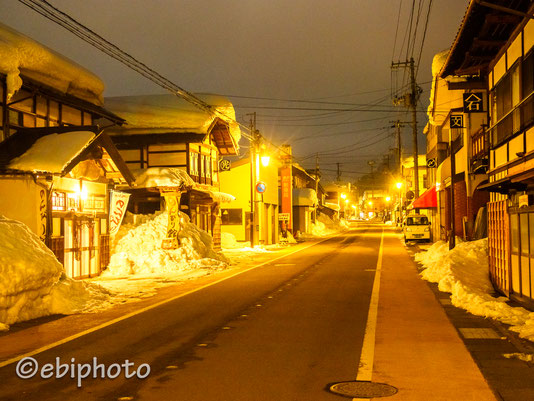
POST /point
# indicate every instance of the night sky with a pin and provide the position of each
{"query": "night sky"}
(336, 53)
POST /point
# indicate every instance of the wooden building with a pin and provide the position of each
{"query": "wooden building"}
(56, 180)
(496, 45)
(166, 132)
(56, 168)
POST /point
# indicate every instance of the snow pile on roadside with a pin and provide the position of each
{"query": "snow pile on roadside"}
(32, 282)
(325, 226)
(137, 249)
(228, 241)
(289, 239)
(463, 271)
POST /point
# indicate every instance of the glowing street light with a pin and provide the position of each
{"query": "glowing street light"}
(343, 196)
(388, 198)
(398, 185)
(265, 160)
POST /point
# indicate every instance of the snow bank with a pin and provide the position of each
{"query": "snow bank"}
(20, 55)
(325, 226)
(463, 271)
(32, 282)
(228, 241)
(137, 248)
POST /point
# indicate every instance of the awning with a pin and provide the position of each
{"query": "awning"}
(428, 200)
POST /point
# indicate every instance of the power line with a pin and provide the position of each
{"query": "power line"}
(86, 34)
(424, 37)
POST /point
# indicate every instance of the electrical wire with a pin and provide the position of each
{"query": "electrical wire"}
(86, 34)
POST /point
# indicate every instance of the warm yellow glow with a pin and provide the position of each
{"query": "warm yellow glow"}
(354, 207)
(346, 201)
(370, 203)
(265, 160)
(399, 185)
(388, 198)
(343, 196)
(82, 193)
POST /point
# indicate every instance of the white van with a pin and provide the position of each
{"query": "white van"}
(416, 226)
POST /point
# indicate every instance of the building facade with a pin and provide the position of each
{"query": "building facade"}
(495, 45)
(164, 133)
(56, 168)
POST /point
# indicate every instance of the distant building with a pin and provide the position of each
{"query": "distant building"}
(236, 216)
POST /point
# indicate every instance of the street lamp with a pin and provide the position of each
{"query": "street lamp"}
(265, 160)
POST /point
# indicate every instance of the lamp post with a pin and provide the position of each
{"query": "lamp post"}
(399, 187)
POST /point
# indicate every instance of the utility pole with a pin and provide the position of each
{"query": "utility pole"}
(316, 184)
(413, 103)
(253, 146)
(398, 125)
(410, 100)
(338, 173)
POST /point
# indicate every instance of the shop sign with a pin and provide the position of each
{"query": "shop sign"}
(172, 204)
(117, 210)
(283, 216)
(286, 184)
(473, 102)
(43, 208)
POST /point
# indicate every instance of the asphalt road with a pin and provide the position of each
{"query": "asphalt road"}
(282, 331)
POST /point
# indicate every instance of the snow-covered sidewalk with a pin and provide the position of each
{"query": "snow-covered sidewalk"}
(463, 272)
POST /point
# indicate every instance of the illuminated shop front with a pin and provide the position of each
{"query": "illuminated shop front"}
(63, 194)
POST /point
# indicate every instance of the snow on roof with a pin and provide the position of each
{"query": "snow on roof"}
(52, 153)
(155, 177)
(20, 55)
(162, 177)
(173, 112)
(304, 197)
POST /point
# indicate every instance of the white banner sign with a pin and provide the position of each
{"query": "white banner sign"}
(117, 210)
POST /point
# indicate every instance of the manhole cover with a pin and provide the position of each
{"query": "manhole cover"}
(361, 389)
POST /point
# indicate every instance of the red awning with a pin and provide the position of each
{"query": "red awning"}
(427, 200)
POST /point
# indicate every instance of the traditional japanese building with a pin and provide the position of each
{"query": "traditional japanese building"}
(56, 167)
(456, 150)
(165, 135)
(495, 44)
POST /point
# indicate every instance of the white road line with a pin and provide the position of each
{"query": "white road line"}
(147, 308)
(365, 368)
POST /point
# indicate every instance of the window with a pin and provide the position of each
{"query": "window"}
(232, 216)
(512, 104)
(58, 201)
(417, 221)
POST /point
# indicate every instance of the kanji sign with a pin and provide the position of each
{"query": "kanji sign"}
(117, 209)
(172, 204)
(283, 216)
(224, 165)
(473, 102)
(456, 121)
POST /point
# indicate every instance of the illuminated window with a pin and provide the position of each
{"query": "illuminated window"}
(58, 201)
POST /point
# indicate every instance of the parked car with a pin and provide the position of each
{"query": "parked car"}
(416, 226)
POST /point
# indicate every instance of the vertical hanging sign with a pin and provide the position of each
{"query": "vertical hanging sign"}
(117, 210)
(286, 184)
(43, 209)
(172, 205)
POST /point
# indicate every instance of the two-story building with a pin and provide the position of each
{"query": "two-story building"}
(495, 44)
(165, 135)
(56, 167)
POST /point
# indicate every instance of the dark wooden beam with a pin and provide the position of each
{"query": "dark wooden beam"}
(466, 85)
